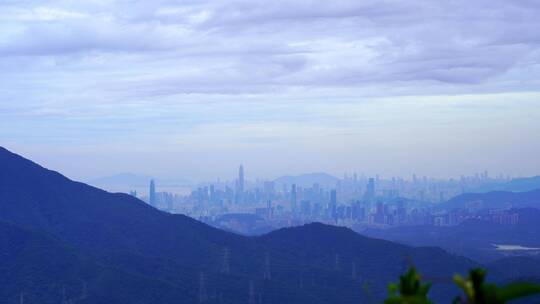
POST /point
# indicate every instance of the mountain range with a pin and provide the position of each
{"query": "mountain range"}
(308, 180)
(494, 200)
(521, 184)
(473, 238)
(65, 241)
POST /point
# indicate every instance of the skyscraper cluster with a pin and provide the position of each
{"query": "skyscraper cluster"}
(352, 200)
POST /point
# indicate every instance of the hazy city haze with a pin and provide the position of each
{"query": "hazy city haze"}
(194, 89)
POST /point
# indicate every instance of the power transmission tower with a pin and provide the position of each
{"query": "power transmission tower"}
(225, 266)
(85, 291)
(353, 270)
(251, 293)
(267, 274)
(64, 298)
(203, 296)
(82, 297)
(336, 262)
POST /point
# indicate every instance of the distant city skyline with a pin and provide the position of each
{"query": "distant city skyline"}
(353, 201)
(349, 174)
(129, 182)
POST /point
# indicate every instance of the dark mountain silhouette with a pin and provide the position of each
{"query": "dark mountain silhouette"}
(40, 268)
(68, 233)
(494, 200)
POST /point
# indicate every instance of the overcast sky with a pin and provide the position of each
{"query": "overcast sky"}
(194, 88)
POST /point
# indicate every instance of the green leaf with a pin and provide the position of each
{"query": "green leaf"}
(516, 290)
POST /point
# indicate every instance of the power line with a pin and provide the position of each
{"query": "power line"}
(267, 275)
(251, 293)
(203, 296)
(64, 299)
(225, 266)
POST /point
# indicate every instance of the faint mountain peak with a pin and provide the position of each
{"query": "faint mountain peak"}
(308, 179)
(522, 184)
(494, 200)
(134, 180)
(125, 178)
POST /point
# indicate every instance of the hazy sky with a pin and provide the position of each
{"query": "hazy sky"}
(194, 88)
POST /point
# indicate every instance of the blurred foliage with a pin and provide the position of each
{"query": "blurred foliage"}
(411, 290)
(477, 291)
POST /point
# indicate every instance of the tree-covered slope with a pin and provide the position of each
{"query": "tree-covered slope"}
(175, 257)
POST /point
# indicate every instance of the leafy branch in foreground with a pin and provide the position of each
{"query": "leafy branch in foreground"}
(477, 291)
(411, 290)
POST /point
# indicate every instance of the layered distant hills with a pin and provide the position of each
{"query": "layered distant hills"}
(476, 238)
(308, 180)
(515, 185)
(494, 200)
(62, 240)
(123, 179)
(473, 238)
(125, 182)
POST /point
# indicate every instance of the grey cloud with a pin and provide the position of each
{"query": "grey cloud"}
(83, 36)
(263, 46)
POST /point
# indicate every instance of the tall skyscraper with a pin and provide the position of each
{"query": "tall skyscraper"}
(241, 179)
(269, 209)
(152, 193)
(333, 204)
(293, 199)
(269, 189)
(212, 197)
(240, 184)
(370, 191)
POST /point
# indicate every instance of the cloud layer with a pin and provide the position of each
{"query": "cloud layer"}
(97, 72)
(232, 47)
